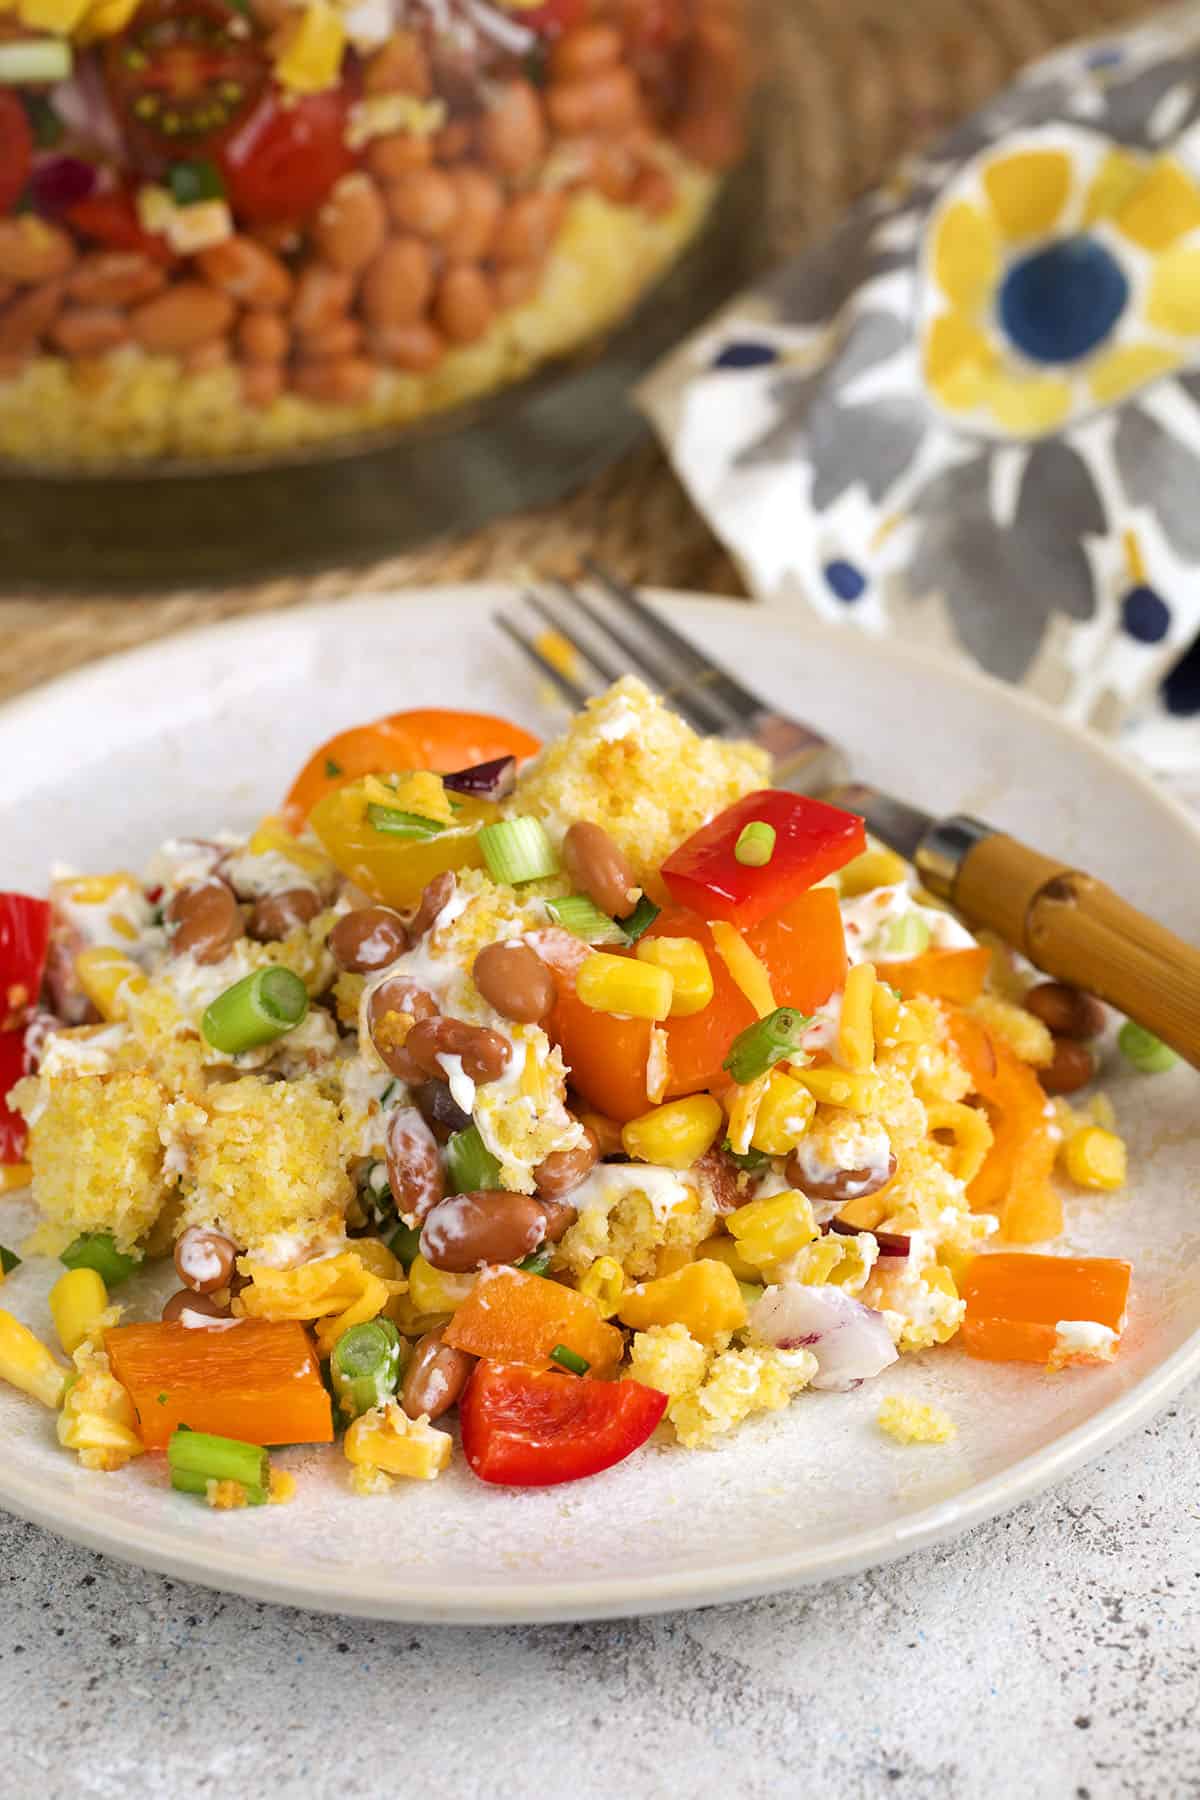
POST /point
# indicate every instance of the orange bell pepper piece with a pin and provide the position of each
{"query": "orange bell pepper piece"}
(1015, 1302)
(257, 1380)
(427, 738)
(956, 975)
(515, 1317)
(1014, 1182)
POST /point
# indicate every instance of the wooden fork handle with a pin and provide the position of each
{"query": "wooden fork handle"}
(1079, 931)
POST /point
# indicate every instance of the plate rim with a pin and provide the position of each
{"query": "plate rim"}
(238, 1571)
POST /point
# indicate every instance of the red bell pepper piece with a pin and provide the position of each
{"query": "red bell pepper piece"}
(24, 941)
(12, 1125)
(811, 841)
(112, 219)
(532, 1428)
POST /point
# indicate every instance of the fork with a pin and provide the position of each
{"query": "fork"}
(1068, 924)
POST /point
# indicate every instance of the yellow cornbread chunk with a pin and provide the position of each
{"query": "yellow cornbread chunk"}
(915, 1422)
(96, 1155)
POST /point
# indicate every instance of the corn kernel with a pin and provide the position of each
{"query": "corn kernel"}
(604, 1282)
(77, 1303)
(94, 890)
(689, 968)
(873, 869)
(885, 1012)
(969, 1130)
(435, 1290)
(670, 1258)
(769, 1231)
(622, 985)
(748, 970)
(675, 1135)
(784, 1114)
(108, 977)
(312, 55)
(856, 1030)
(26, 1363)
(14, 1176)
(703, 1297)
(724, 1249)
(1095, 1158)
(282, 1489)
(840, 1087)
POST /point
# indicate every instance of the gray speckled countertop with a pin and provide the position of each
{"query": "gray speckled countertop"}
(1052, 1655)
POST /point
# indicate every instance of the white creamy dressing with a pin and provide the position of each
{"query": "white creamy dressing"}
(865, 918)
(462, 1088)
(179, 862)
(194, 985)
(610, 1183)
(1084, 1337)
(196, 1259)
(116, 922)
(821, 1034)
(850, 1143)
(93, 1054)
(198, 1321)
(251, 876)
(620, 720)
(289, 1250)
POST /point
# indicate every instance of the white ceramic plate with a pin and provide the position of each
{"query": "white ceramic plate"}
(206, 729)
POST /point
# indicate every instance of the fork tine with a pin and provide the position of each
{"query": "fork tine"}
(704, 718)
(737, 700)
(570, 690)
(610, 670)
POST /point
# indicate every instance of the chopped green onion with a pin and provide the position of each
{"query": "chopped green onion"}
(96, 1250)
(44, 122)
(756, 844)
(256, 1010)
(750, 1292)
(9, 1260)
(583, 919)
(388, 1091)
(517, 850)
(570, 1359)
(191, 182)
(37, 60)
(365, 1367)
(195, 1458)
(405, 1245)
(1146, 1052)
(396, 823)
(536, 1263)
(332, 768)
(905, 936)
(470, 1165)
(746, 1159)
(765, 1043)
(640, 919)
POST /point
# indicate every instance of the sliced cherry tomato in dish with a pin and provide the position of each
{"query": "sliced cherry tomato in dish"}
(283, 159)
(428, 738)
(112, 220)
(811, 841)
(12, 1125)
(531, 1428)
(24, 941)
(182, 77)
(16, 149)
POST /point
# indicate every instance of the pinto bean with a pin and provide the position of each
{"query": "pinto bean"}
(614, 171)
(513, 285)
(276, 916)
(202, 1305)
(583, 50)
(600, 868)
(30, 316)
(559, 1219)
(323, 297)
(439, 1109)
(201, 358)
(1065, 1010)
(205, 919)
(336, 381)
(14, 362)
(399, 67)
(514, 979)
(454, 141)
(89, 330)
(484, 1054)
(397, 286)
(607, 101)
(487, 1226)
(841, 1186)
(263, 337)
(709, 127)
(480, 203)
(248, 272)
(392, 1001)
(414, 1163)
(368, 939)
(527, 228)
(1073, 1067)
(463, 307)
(435, 1377)
(33, 250)
(416, 348)
(434, 895)
(342, 339)
(512, 132)
(115, 278)
(424, 202)
(388, 158)
(181, 318)
(351, 227)
(562, 1171)
(205, 1260)
(655, 192)
(261, 383)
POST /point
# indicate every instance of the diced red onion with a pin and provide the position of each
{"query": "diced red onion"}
(58, 182)
(83, 105)
(891, 1243)
(850, 1341)
(486, 781)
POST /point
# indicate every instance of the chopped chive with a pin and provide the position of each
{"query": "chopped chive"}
(906, 936)
(765, 1043)
(97, 1250)
(746, 1159)
(1143, 1050)
(44, 122)
(388, 1091)
(536, 1263)
(191, 182)
(470, 1165)
(256, 1010)
(405, 1245)
(570, 1359)
(394, 822)
(196, 1457)
(517, 850)
(583, 919)
(756, 844)
(365, 1367)
(640, 919)
(332, 768)
(187, 1481)
(9, 1260)
(46, 59)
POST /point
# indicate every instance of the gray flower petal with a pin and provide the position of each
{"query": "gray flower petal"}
(872, 338)
(873, 444)
(1160, 474)
(1129, 105)
(1059, 505)
(792, 397)
(815, 285)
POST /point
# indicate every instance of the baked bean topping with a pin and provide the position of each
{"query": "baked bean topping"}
(439, 1109)
(397, 286)
(89, 330)
(205, 919)
(368, 939)
(841, 1186)
(352, 225)
(323, 297)
(435, 894)
(1073, 1067)
(31, 249)
(526, 228)
(487, 1226)
(399, 67)
(512, 132)
(1065, 1010)
(248, 273)
(424, 201)
(435, 1377)
(181, 317)
(338, 381)
(583, 50)
(200, 1305)
(204, 1260)
(30, 314)
(483, 1053)
(414, 1163)
(514, 979)
(417, 347)
(263, 337)
(390, 157)
(559, 1173)
(261, 382)
(463, 306)
(115, 278)
(596, 865)
(479, 205)
(276, 916)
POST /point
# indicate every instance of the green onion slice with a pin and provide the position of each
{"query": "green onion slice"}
(1143, 1050)
(365, 1367)
(405, 1245)
(48, 128)
(191, 182)
(746, 1159)
(536, 1263)
(756, 844)
(97, 1250)
(254, 1011)
(570, 1359)
(470, 1165)
(9, 1260)
(905, 936)
(397, 823)
(640, 919)
(195, 1458)
(517, 850)
(765, 1043)
(45, 59)
(583, 919)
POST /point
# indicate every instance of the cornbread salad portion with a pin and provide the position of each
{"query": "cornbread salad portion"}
(580, 1091)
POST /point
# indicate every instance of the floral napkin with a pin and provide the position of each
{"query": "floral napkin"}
(972, 416)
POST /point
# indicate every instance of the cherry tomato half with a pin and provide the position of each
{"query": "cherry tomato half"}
(182, 77)
(16, 149)
(282, 161)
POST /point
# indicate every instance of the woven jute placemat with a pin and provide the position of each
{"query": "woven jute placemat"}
(851, 86)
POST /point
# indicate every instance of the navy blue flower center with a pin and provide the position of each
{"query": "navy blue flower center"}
(1059, 302)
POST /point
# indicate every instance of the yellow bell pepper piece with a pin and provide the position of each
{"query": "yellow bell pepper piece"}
(676, 1134)
(389, 868)
(109, 978)
(723, 1249)
(312, 57)
(703, 1297)
(689, 968)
